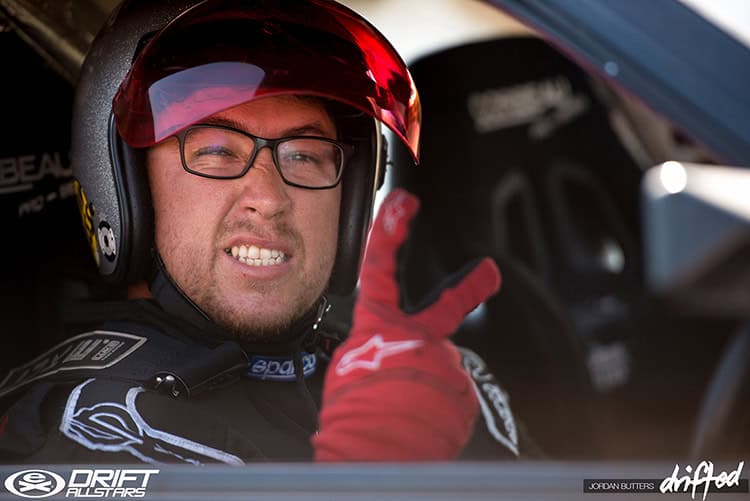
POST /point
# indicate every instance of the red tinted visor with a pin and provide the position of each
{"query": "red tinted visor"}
(222, 53)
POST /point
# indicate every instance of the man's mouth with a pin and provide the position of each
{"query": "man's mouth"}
(256, 256)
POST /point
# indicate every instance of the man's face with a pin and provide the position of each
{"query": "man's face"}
(199, 221)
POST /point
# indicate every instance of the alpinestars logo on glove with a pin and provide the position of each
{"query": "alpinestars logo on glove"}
(370, 355)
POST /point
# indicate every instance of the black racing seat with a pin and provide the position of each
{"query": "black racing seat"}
(519, 162)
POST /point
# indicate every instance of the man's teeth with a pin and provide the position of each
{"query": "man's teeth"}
(255, 256)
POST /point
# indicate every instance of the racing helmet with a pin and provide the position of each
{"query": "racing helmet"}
(158, 67)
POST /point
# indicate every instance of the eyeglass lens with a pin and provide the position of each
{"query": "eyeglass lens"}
(223, 153)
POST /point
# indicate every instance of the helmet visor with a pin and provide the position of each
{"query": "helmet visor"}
(222, 53)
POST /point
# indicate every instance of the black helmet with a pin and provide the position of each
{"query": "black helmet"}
(138, 86)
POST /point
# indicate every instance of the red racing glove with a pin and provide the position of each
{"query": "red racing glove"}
(395, 389)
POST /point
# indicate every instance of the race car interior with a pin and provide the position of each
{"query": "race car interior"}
(47, 265)
(539, 165)
(526, 158)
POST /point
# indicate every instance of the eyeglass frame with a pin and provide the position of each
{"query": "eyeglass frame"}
(258, 144)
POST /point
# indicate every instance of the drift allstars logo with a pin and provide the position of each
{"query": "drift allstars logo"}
(82, 483)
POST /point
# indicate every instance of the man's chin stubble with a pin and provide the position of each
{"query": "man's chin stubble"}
(244, 328)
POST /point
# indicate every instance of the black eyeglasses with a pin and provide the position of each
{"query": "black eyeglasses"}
(221, 152)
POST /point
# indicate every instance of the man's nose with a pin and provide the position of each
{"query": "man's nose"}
(263, 190)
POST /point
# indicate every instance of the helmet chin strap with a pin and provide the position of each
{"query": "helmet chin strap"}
(173, 300)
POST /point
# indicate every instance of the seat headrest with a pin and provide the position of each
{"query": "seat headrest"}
(519, 159)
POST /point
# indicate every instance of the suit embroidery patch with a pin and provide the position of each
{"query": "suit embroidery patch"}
(94, 350)
(119, 427)
(493, 401)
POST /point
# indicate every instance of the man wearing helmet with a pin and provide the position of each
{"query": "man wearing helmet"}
(233, 168)
(255, 255)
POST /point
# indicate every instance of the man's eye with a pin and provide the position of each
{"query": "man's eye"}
(213, 150)
(306, 157)
(213, 158)
(300, 157)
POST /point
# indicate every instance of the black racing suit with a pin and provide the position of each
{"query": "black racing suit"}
(159, 382)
